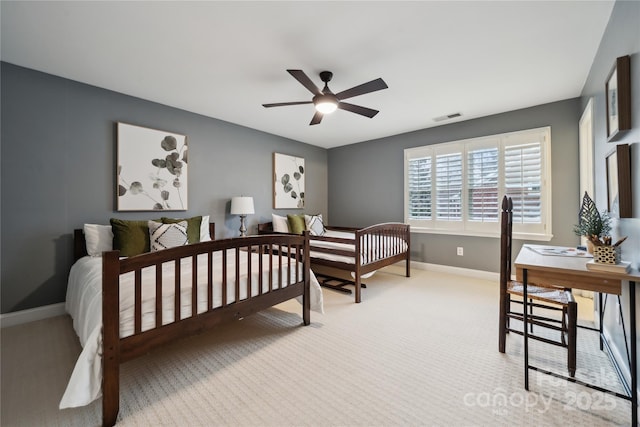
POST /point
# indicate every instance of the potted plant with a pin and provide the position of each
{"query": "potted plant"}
(592, 224)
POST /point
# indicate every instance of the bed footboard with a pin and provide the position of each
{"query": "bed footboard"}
(378, 246)
(267, 278)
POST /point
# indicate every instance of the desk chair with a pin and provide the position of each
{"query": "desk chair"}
(543, 297)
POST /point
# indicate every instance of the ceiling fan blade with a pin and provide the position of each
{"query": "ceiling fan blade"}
(317, 118)
(305, 81)
(372, 86)
(363, 111)
(282, 104)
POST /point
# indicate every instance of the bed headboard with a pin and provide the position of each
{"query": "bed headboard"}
(80, 245)
(265, 228)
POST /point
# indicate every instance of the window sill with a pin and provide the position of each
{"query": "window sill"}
(517, 236)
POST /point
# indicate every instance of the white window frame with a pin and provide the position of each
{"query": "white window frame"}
(537, 231)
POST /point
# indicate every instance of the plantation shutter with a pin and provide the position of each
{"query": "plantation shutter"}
(449, 186)
(482, 184)
(523, 181)
(457, 187)
(419, 188)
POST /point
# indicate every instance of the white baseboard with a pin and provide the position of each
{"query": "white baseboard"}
(31, 315)
(478, 274)
(621, 360)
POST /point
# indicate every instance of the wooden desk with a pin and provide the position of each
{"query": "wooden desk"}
(571, 272)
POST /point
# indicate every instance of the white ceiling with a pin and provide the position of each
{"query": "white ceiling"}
(225, 59)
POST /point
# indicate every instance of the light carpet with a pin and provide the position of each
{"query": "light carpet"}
(417, 351)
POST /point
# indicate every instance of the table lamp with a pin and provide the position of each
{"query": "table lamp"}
(242, 206)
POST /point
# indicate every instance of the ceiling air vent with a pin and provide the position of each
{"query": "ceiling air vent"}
(447, 117)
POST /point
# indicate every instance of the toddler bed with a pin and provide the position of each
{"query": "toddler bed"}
(123, 308)
(361, 251)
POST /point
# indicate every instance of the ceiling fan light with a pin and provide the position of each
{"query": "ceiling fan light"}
(326, 107)
(326, 103)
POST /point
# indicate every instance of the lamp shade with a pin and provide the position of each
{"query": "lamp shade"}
(242, 205)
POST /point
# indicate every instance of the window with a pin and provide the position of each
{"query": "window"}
(457, 187)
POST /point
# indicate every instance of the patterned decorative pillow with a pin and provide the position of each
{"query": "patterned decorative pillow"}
(193, 226)
(165, 236)
(315, 225)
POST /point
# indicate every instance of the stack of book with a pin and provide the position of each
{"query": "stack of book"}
(622, 267)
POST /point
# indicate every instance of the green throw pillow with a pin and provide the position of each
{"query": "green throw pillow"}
(130, 237)
(193, 226)
(296, 223)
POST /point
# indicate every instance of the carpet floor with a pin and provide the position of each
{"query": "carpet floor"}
(417, 351)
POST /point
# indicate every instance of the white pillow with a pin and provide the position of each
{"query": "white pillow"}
(98, 238)
(165, 236)
(314, 224)
(204, 229)
(280, 223)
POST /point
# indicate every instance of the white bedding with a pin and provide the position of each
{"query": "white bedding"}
(333, 245)
(84, 304)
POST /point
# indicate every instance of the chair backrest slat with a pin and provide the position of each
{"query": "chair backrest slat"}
(506, 228)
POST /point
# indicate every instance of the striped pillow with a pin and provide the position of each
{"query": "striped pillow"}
(165, 236)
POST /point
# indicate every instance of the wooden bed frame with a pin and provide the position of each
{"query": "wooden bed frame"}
(365, 242)
(118, 350)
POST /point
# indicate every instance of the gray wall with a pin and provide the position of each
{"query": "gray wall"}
(366, 181)
(58, 156)
(622, 37)
(58, 172)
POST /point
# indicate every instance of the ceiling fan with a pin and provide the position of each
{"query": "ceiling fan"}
(327, 102)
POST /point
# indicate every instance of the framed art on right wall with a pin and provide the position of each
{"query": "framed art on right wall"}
(619, 182)
(618, 97)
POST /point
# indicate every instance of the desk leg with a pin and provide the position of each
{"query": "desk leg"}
(634, 359)
(601, 316)
(525, 327)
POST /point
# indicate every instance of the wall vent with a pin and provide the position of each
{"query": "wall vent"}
(447, 117)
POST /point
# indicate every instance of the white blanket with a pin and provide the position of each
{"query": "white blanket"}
(84, 304)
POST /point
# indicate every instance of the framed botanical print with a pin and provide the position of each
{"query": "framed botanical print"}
(619, 182)
(288, 182)
(618, 98)
(152, 170)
